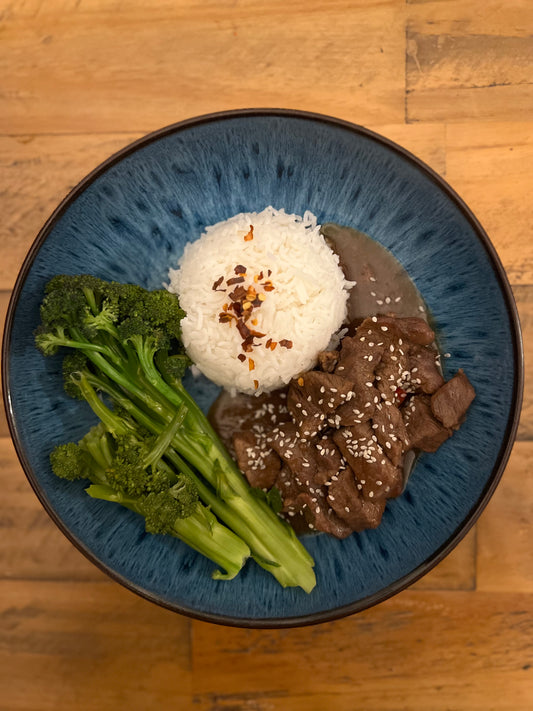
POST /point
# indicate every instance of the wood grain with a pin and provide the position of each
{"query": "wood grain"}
(451, 80)
(89, 646)
(46, 553)
(490, 167)
(37, 173)
(419, 651)
(505, 553)
(459, 68)
(119, 72)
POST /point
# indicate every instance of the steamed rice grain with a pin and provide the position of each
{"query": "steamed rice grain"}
(305, 307)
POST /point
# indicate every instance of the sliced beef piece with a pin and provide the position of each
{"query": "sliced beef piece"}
(424, 430)
(425, 373)
(321, 516)
(256, 459)
(230, 414)
(327, 360)
(410, 329)
(348, 503)
(358, 408)
(377, 476)
(297, 453)
(451, 401)
(393, 370)
(390, 430)
(313, 396)
(360, 355)
(309, 506)
(328, 459)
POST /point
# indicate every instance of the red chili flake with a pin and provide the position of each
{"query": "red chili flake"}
(240, 269)
(269, 272)
(237, 308)
(238, 293)
(235, 280)
(400, 395)
(251, 364)
(267, 344)
(248, 237)
(217, 283)
(248, 344)
(300, 382)
(285, 343)
(243, 329)
(268, 286)
(256, 384)
(256, 334)
(225, 317)
(241, 357)
(273, 345)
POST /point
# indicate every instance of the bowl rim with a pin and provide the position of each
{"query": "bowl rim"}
(509, 436)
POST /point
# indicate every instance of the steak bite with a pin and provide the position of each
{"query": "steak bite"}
(377, 477)
(256, 459)
(348, 503)
(451, 401)
(360, 354)
(306, 504)
(390, 430)
(410, 329)
(424, 368)
(313, 397)
(425, 431)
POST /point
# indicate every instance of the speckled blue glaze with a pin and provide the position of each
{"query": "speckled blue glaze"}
(130, 222)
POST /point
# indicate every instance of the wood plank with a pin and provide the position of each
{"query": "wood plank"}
(420, 651)
(490, 167)
(36, 173)
(505, 553)
(458, 77)
(89, 646)
(31, 545)
(512, 18)
(140, 70)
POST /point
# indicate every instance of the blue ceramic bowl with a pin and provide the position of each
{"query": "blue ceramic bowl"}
(129, 221)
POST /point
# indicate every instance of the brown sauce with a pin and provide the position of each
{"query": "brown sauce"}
(382, 287)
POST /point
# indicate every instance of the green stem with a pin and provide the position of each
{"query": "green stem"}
(200, 531)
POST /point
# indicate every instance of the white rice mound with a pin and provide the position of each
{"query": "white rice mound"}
(307, 305)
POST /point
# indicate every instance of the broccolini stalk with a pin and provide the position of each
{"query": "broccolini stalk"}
(131, 340)
(174, 510)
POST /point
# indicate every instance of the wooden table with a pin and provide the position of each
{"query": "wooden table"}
(451, 80)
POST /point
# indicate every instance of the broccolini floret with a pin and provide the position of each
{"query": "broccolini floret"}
(127, 362)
